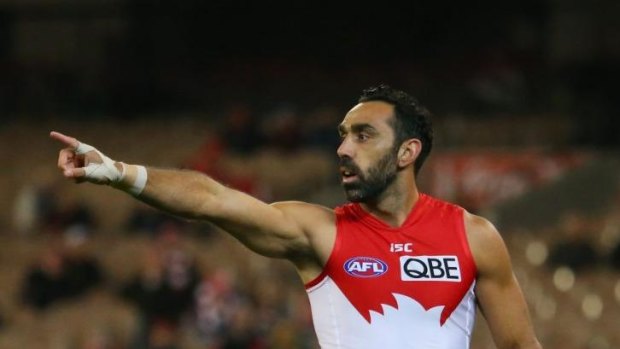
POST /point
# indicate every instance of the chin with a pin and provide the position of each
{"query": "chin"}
(354, 195)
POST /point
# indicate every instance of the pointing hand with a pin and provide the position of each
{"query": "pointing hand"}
(82, 162)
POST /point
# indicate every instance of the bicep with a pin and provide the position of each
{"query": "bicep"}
(497, 289)
(504, 307)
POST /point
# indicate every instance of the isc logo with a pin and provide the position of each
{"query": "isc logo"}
(430, 268)
(396, 247)
(365, 267)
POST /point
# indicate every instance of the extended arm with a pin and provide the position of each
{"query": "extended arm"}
(499, 295)
(276, 230)
(271, 230)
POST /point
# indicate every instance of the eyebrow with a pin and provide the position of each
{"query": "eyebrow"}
(357, 128)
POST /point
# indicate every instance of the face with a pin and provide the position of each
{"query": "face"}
(368, 158)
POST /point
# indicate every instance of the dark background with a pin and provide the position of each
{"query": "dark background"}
(487, 59)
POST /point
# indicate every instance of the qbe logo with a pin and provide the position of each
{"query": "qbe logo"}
(365, 267)
(430, 268)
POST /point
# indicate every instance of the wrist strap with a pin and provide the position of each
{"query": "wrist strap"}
(139, 182)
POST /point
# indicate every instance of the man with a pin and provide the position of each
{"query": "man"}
(394, 268)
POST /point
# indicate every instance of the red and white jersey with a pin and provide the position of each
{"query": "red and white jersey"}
(396, 288)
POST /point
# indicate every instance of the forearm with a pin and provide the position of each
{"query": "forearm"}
(184, 193)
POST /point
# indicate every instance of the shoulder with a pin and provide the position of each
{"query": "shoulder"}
(439, 204)
(479, 229)
(486, 244)
(318, 224)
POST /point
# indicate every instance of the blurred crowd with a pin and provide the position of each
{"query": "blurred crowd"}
(570, 273)
(176, 298)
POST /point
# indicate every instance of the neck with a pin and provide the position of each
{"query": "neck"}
(395, 203)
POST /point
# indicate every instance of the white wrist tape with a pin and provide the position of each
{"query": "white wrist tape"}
(104, 172)
(140, 182)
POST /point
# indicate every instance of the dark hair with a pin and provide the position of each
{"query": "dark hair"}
(411, 119)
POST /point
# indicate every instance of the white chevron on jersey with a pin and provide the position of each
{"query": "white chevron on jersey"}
(408, 326)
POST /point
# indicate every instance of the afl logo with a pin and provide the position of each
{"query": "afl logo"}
(365, 267)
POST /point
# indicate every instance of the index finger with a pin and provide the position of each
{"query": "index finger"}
(69, 141)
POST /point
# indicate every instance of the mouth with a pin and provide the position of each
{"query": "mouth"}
(348, 175)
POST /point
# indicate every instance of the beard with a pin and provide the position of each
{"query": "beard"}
(373, 183)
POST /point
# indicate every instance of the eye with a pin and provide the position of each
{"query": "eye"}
(362, 137)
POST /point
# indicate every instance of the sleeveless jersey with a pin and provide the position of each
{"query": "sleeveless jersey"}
(396, 288)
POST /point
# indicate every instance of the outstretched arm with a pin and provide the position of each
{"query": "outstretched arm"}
(276, 230)
(499, 295)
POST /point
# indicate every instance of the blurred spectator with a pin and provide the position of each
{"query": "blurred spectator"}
(97, 339)
(240, 132)
(75, 216)
(148, 221)
(162, 335)
(297, 331)
(320, 131)
(64, 270)
(205, 159)
(574, 246)
(211, 158)
(613, 231)
(35, 208)
(38, 207)
(163, 289)
(217, 299)
(242, 332)
(282, 130)
(82, 270)
(614, 257)
(25, 209)
(45, 282)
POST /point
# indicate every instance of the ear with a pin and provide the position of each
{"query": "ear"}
(408, 152)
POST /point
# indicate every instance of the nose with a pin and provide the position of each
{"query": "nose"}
(345, 148)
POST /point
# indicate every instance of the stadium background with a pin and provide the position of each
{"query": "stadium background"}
(527, 127)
